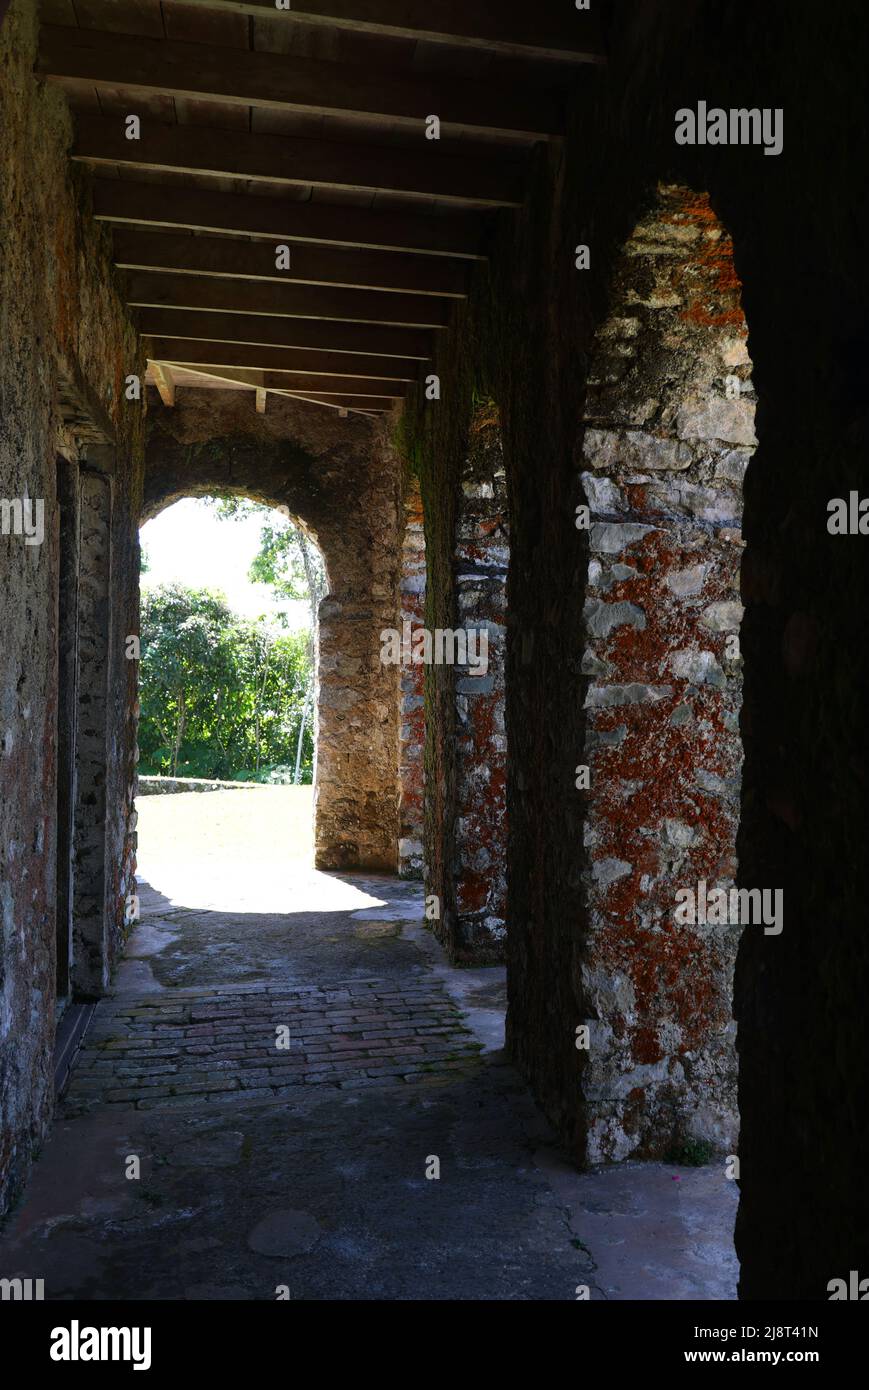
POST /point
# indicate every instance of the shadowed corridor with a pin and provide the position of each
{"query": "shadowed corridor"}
(305, 1166)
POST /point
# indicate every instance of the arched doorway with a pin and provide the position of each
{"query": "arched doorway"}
(284, 462)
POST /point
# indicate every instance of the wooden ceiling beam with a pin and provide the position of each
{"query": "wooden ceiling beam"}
(309, 265)
(164, 382)
(289, 361)
(202, 210)
(153, 290)
(356, 403)
(553, 29)
(289, 381)
(425, 173)
(360, 339)
(278, 81)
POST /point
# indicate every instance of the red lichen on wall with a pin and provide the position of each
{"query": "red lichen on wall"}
(668, 436)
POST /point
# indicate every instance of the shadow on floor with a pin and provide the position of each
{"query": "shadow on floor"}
(387, 1152)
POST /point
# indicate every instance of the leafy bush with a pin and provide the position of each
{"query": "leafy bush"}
(691, 1153)
(221, 696)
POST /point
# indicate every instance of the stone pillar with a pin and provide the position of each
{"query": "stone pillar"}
(411, 769)
(91, 928)
(669, 432)
(356, 789)
(466, 743)
(481, 558)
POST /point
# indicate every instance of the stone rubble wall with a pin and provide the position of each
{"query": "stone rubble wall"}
(412, 714)
(463, 485)
(801, 256)
(67, 346)
(482, 556)
(664, 452)
(168, 786)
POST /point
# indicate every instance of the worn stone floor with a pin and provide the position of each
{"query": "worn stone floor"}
(286, 1079)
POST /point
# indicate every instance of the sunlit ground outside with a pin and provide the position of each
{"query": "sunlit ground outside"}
(238, 851)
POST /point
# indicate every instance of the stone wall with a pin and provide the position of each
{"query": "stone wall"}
(799, 998)
(462, 477)
(341, 479)
(170, 786)
(412, 713)
(481, 561)
(67, 347)
(527, 338)
(669, 430)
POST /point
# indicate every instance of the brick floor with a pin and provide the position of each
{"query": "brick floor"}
(218, 1045)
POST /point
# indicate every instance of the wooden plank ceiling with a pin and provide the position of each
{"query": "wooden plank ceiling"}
(304, 128)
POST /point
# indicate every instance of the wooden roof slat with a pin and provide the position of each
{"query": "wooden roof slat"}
(287, 381)
(358, 338)
(307, 127)
(164, 382)
(143, 17)
(552, 29)
(355, 403)
(198, 209)
(295, 361)
(189, 71)
(315, 163)
(309, 265)
(151, 289)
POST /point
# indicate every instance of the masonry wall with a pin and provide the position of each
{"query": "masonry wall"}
(457, 449)
(528, 338)
(67, 347)
(803, 1053)
(482, 553)
(341, 479)
(412, 680)
(669, 431)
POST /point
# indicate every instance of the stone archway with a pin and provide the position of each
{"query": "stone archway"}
(302, 460)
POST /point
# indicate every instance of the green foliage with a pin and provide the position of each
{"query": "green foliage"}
(220, 696)
(690, 1153)
(287, 558)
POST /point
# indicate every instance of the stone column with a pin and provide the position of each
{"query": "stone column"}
(412, 712)
(669, 432)
(481, 558)
(466, 768)
(356, 790)
(91, 928)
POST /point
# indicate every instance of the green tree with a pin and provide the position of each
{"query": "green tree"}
(287, 559)
(220, 696)
(291, 564)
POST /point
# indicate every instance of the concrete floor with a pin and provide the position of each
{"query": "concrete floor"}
(303, 1172)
